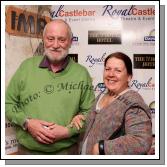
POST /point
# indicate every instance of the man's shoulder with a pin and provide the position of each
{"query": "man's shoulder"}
(32, 60)
(79, 67)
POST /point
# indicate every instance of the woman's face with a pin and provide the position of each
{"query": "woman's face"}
(115, 75)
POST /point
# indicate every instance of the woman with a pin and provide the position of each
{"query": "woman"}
(120, 122)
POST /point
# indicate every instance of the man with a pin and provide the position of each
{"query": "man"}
(46, 93)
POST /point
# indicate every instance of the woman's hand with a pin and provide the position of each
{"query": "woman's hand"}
(95, 150)
(77, 121)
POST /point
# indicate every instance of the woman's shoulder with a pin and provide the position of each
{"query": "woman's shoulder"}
(137, 102)
(135, 99)
(132, 95)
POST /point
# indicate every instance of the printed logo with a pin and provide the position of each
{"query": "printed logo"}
(9, 124)
(152, 107)
(138, 85)
(60, 11)
(94, 60)
(147, 40)
(75, 40)
(144, 61)
(100, 87)
(132, 10)
(104, 37)
(11, 144)
(151, 36)
(74, 57)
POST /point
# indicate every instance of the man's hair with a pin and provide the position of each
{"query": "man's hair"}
(62, 21)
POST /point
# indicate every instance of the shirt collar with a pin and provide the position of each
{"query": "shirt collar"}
(45, 63)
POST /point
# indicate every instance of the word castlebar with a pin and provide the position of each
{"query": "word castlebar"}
(76, 12)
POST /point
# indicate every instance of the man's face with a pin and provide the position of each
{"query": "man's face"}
(57, 41)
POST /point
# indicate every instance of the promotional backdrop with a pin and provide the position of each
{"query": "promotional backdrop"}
(97, 32)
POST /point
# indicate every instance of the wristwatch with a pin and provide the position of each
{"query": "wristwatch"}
(25, 124)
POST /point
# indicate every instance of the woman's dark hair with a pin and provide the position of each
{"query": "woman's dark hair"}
(124, 58)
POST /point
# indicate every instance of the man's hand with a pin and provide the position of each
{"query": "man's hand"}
(59, 132)
(37, 129)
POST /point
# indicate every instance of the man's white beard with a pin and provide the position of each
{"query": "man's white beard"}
(57, 59)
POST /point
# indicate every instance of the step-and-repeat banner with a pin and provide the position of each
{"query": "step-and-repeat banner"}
(97, 32)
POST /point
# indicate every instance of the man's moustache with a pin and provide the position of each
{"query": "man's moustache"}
(55, 50)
